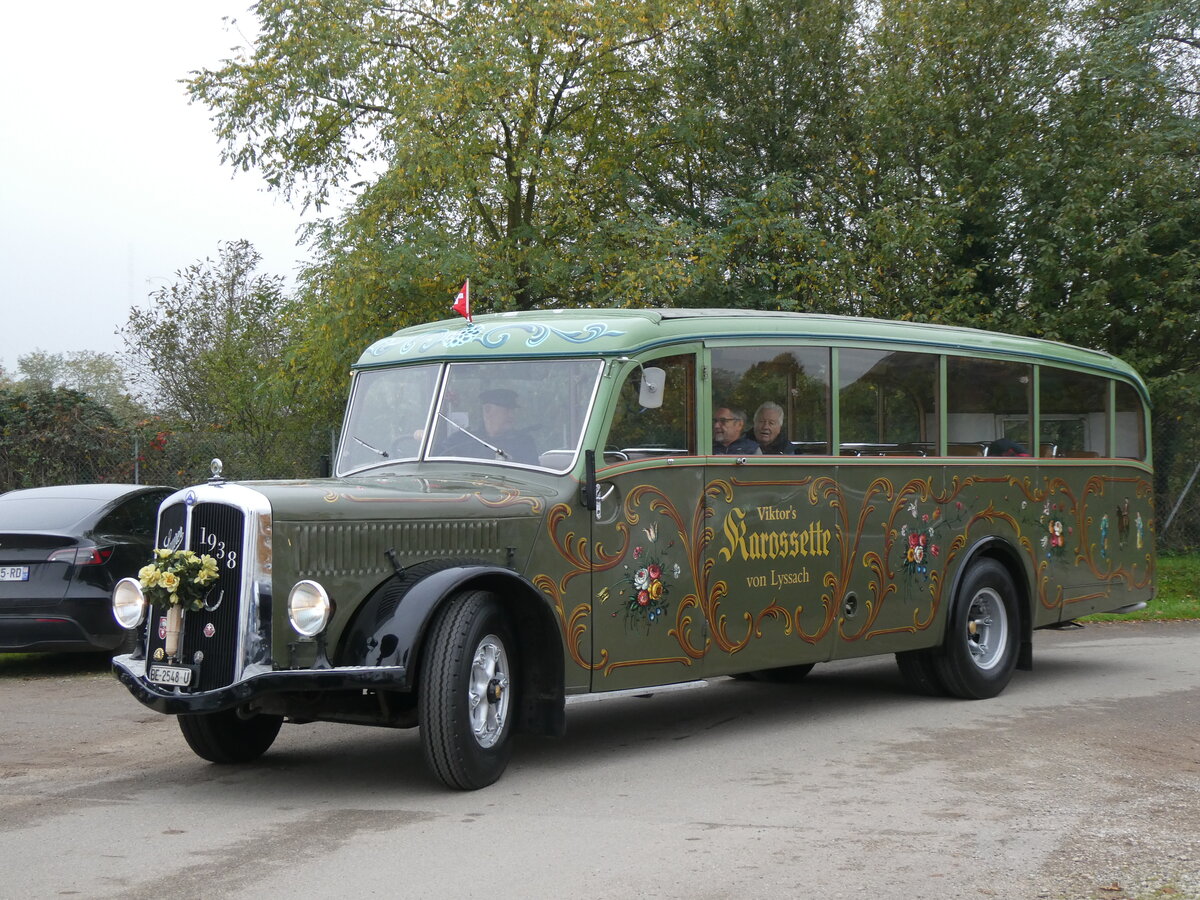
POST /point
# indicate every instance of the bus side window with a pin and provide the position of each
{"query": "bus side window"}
(1074, 412)
(1131, 423)
(989, 407)
(638, 432)
(888, 402)
(796, 379)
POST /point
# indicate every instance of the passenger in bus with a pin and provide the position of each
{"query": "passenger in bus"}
(768, 429)
(729, 426)
(500, 430)
(1006, 447)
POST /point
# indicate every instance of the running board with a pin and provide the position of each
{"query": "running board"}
(644, 693)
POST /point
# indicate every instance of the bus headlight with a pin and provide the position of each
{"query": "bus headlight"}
(128, 603)
(309, 608)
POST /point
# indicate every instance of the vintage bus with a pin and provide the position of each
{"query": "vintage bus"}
(535, 506)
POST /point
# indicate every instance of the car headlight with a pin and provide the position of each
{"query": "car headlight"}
(128, 603)
(309, 608)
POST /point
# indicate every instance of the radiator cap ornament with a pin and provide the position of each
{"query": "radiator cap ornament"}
(216, 466)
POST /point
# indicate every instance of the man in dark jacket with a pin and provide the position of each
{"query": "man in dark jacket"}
(729, 425)
(768, 429)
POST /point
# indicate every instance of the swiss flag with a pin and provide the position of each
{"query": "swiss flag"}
(462, 302)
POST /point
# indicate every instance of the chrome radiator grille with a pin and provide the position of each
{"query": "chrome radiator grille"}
(218, 530)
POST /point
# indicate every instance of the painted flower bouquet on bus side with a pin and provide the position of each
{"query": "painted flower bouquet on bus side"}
(645, 586)
(178, 578)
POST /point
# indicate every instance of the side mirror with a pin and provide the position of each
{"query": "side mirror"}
(650, 395)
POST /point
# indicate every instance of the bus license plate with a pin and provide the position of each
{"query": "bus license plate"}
(14, 573)
(175, 676)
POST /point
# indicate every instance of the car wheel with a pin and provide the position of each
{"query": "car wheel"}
(228, 737)
(466, 701)
(980, 651)
(130, 641)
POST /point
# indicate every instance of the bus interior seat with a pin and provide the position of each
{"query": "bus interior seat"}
(965, 449)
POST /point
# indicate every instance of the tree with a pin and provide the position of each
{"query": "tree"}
(209, 347)
(757, 154)
(494, 139)
(99, 375)
(40, 371)
(1026, 165)
(58, 436)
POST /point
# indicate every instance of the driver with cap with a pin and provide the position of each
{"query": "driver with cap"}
(499, 430)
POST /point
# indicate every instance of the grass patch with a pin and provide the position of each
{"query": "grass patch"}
(1177, 594)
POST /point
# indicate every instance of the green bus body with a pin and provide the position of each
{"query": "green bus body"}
(629, 554)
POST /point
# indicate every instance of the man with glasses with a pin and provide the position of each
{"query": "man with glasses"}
(729, 438)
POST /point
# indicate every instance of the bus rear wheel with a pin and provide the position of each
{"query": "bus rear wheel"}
(919, 671)
(977, 659)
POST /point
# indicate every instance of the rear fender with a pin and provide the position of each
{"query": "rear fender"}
(1005, 554)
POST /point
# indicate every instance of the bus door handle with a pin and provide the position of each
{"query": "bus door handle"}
(603, 492)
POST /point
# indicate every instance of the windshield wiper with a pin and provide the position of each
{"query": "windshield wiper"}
(382, 453)
(500, 453)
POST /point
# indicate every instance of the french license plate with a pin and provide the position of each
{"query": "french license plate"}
(175, 676)
(14, 573)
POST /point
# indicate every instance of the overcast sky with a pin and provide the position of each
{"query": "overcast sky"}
(110, 181)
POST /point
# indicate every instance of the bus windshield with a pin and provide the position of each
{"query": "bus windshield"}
(513, 412)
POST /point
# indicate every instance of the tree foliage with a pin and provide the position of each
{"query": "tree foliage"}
(496, 139)
(1026, 165)
(49, 435)
(99, 375)
(208, 349)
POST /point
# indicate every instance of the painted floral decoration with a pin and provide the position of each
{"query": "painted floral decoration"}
(917, 540)
(1054, 541)
(644, 587)
(178, 578)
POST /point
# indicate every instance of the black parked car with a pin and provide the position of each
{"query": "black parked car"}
(61, 551)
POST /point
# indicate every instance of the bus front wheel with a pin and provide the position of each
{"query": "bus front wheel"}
(980, 651)
(466, 692)
(229, 736)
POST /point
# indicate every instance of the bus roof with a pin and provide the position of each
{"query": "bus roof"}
(616, 332)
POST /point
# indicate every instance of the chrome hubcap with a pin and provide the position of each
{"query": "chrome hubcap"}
(987, 629)
(489, 695)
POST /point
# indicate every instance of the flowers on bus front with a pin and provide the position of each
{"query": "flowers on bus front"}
(178, 578)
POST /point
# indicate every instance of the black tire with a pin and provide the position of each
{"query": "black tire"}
(918, 670)
(226, 737)
(130, 640)
(977, 659)
(466, 697)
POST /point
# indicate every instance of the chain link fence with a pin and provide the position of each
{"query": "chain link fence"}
(1177, 482)
(154, 455)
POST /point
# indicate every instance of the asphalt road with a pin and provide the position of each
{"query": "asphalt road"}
(1081, 781)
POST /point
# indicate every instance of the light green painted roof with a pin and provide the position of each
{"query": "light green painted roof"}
(616, 332)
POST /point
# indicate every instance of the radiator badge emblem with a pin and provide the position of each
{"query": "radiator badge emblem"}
(210, 629)
(162, 628)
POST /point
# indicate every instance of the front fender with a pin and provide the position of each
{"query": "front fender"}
(387, 630)
(390, 628)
